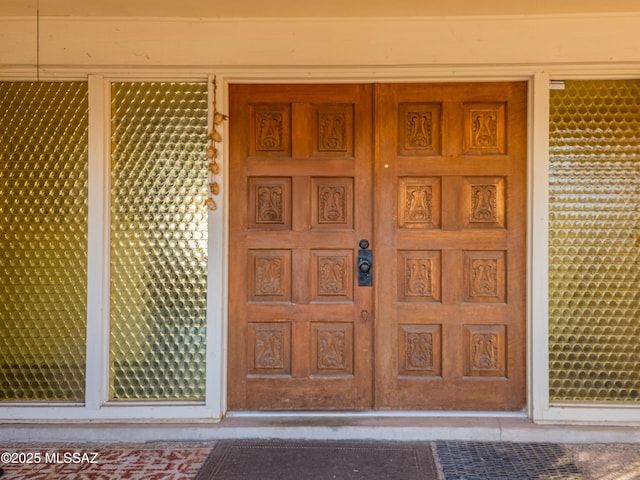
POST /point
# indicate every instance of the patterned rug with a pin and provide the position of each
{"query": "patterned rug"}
(297, 460)
(153, 461)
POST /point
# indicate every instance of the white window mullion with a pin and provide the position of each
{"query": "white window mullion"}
(97, 376)
(216, 378)
(538, 248)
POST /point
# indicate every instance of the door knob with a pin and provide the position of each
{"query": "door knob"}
(365, 264)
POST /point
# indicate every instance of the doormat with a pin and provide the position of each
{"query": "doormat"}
(505, 461)
(298, 460)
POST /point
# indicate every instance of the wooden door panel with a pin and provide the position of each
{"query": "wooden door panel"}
(483, 202)
(270, 129)
(269, 275)
(332, 203)
(331, 277)
(451, 327)
(420, 351)
(270, 203)
(419, 202)
(300, 201)
(419, 276)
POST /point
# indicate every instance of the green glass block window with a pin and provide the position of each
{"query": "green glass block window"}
(594, 242)
(43, 243)
(158, 262)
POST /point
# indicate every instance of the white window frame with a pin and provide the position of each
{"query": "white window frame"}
(544, 411)
(96, 405)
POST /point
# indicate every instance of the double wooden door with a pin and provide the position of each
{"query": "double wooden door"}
(433, 177)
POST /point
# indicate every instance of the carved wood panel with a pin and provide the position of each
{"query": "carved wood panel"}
(331, 348)
(269, 275)
(419, 350)
(419, 202)
(269, 348)
(333, 275)
(484, 129)
(334, 130)
(270, 203)
(419, 276)
(485, 276)
(484, 202)
(485, 350)
(270, 127)
(419, 129)
(332, 203)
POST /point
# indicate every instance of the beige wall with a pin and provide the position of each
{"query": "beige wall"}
(513, 40)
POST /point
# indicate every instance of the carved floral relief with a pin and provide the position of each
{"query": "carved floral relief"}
(418, 203)
(419, 351)
(483, 203)
(332, 136)
(484, 351)
(270, 205)
(332, 204)
(332, 275)
(484, 200)
(269, 352)
(485, 128)
(484, 277)
(419, 127)
(269, 131)
(331, 349)
(418, 277)
(269, 276)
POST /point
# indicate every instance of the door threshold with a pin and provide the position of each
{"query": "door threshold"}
(325, 426)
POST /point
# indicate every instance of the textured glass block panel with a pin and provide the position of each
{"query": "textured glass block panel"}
(158, 241)
(594, 242)
(43, 243)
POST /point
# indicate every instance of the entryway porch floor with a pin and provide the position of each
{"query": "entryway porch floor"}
(177, 451)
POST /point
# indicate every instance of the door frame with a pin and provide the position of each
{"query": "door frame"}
(537, 147)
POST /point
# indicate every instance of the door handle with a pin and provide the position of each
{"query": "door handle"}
(365, 264)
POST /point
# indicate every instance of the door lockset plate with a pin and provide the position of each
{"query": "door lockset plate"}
(365, 264)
